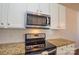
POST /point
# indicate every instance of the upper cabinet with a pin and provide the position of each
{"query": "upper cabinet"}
(1, 23)
(54, 15)
(32, 7)
(58, 16)
(42, 8)
(3, 15)
(12, 15)
(62, 16)
(16, 15)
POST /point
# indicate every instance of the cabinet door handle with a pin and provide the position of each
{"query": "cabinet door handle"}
(71, 46)
(62, 48)
(8, 23)
(37, 10)
(40, 11)
(2, 23)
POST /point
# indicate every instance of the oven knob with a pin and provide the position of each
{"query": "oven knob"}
(41, 45)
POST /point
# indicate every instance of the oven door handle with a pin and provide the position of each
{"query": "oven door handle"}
(52, 50)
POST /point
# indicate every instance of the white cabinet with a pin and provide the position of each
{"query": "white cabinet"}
(42, 8)
(16, 15)
(71, 49)
(32, 7)
(54, 15)
(12, 15)
(1, 23)
(58, 16)
(61, 50)
(62, 16)
(66, 50)
(3, 15)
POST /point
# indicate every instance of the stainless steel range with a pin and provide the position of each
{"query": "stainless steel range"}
(36, 44)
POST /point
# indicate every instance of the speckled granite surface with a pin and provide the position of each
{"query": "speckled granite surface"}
(60, 42)
(12, 49)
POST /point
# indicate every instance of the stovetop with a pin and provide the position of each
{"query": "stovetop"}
(49, 45)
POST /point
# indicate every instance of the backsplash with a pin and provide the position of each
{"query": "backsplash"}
(17, 35)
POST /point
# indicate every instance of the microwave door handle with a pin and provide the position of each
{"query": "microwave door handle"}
(48, 21)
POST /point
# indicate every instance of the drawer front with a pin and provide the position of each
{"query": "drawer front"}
(70, 53)
(66, 50)
(61, 50)
(70, 47)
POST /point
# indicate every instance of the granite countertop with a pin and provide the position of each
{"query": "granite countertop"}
(60, 42)
(19, 48)
(12, 49)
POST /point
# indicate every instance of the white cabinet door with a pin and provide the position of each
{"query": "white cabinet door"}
(58, 16)
(54, 15)
(38, 7)
(71, 47)
(16, 15)
(3, 15)
(66, 50)
(61, 50)
(33, 7)
(62, 16)
(44, 8)
(1, 24)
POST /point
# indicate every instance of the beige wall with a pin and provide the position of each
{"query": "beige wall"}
(71, 26)
(78, 28)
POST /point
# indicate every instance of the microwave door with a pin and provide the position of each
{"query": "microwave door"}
(37, 20)
(42, 21)
(32, 20)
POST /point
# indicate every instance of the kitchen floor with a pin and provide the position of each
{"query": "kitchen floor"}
(77, 52)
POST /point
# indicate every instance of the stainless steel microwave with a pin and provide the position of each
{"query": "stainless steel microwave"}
(37, 20)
